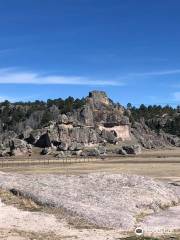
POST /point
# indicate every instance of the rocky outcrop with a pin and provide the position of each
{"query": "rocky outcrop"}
(172, 139)
(94, 152)
(146, 137)
(120, 133)
(19, 147)
(99, 122)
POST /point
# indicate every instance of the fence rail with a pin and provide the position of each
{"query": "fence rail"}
(28, 161)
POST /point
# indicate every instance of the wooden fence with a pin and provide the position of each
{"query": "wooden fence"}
(45, 160)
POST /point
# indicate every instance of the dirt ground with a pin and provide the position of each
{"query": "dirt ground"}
(162, 164)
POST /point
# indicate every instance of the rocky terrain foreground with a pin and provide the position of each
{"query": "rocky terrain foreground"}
(111, 201)
(24, 225)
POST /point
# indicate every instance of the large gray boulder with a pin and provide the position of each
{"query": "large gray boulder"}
(173, 140)
(19, 147)
(121, 151)
(91, 152)
(63, 146)
(74, 146)
(94, 152)
(132, 149)
(4, 153)
(44, 141)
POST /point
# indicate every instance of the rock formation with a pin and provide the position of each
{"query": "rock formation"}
(87, 131)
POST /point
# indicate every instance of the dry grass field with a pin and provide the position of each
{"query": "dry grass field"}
(160, 164)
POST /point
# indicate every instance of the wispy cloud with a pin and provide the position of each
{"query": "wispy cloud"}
(157, 73)
(12, 76)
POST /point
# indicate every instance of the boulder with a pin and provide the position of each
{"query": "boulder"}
(173, 140)
(44, 141)
(16, 143)
(63, 146)
(60, 154)
(4, 153)
(31, 139)
(19, 147)
(74, 146)
(45, 151)
(102, 150)
(91, 152)
(132, 149)
(64, 154)
(77, 153)
(121, 151)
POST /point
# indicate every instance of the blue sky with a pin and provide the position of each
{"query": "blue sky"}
(57, 48)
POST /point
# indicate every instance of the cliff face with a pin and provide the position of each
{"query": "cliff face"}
(99, 122)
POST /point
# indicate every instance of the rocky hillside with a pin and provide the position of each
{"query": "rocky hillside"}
(91, 126)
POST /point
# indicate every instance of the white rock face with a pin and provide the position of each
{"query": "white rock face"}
(107, 200)
(123, 132)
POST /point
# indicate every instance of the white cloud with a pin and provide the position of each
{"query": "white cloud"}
(12, 76)
(157, 73)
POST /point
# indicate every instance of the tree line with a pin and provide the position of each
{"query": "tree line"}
(11, 114)
(157, 117)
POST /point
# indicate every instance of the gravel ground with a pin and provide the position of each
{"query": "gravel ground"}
(106, 200)
(16, 224)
